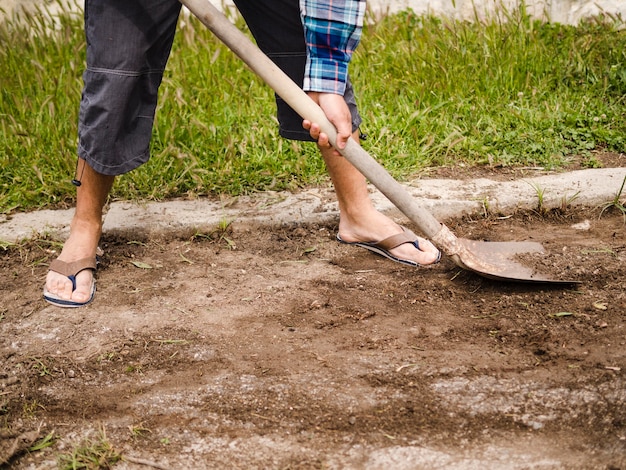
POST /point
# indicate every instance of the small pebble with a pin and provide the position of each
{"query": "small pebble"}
(584, 225)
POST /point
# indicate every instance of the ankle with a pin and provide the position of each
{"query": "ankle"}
(89, 227)
(369, 226)
(83, 240)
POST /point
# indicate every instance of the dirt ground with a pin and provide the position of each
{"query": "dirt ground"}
(277, 347)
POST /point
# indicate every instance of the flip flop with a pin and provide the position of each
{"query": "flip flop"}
(383, 247)
(71, 270)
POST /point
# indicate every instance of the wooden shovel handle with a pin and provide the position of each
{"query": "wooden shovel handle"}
(289, 91)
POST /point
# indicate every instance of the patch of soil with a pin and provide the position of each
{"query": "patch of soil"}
(276, 347)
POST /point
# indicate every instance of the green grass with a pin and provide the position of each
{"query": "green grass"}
(432, 92)
(91, 454)
(519, 92)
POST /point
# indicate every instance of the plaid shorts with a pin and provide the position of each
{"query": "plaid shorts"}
(128, 45)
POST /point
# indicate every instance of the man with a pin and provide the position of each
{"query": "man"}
(128, 44)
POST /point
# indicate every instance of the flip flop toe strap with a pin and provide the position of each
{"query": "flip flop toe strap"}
(70, 270)
(399, 239)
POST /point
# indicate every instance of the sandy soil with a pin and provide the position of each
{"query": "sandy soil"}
(276, 347)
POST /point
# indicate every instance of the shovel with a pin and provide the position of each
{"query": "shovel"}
(489, 259)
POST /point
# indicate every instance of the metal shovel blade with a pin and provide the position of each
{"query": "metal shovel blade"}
(494, 260)
(485, 258)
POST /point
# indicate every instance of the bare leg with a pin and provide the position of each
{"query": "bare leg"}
(359, 220)
(85, 231)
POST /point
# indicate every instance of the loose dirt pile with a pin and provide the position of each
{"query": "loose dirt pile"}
(276, 347)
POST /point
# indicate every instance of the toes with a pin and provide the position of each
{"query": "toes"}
(430, 253)
(424, 253)
(83, 286)
(62, 287)
(59, 285)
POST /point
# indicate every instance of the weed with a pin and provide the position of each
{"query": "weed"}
(218, 235)
(486, 207)
(138, 430)
(541, 208)
(608, 251)
(90, 455)
(108, 356)
(4, 245)
(222, 230)
(44, 442)
(30, 408)
(132, 368)
(223, 224)
(566, 201)
(616, 202)
(40, 366)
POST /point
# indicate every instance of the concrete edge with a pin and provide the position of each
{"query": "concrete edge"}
(445, 199)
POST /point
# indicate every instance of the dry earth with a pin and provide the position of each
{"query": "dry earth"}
(276, 347)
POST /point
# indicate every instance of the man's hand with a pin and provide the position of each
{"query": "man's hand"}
(337, 112)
